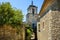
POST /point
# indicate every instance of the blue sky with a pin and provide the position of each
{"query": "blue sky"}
(23, 5)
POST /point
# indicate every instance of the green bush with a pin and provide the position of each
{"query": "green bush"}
(9, 15)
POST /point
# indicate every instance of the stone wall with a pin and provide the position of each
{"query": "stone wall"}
(50, 22)
(55, 28)
(7, 32)
(49, 26)
(45, 23)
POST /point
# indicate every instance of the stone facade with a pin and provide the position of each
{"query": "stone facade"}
(7, 32)
(55, 28)
(45, 24)
(48, 26)
(31, 17)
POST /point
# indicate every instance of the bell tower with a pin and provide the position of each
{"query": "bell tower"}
(31, 14)
(31, 17)
(32, 9)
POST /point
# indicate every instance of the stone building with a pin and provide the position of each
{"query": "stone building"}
(48, 25)
(8, 32)
(31, 17)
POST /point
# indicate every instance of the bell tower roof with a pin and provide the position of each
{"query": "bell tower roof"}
(32, 5)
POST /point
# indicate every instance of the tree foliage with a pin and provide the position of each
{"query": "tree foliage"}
(29, 32)
(9, 15)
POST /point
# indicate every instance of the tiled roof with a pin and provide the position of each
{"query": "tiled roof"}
(31, 6)
(45, 5)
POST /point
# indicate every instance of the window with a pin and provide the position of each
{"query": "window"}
(55, 39)
(33, 11)
(43, 24)
(39, 27)
(33, 25)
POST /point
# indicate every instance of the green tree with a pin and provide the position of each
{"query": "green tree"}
(9, 15)
(29, 32)
(9, 18)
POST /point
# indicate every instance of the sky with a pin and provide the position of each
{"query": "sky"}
(23, 5)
